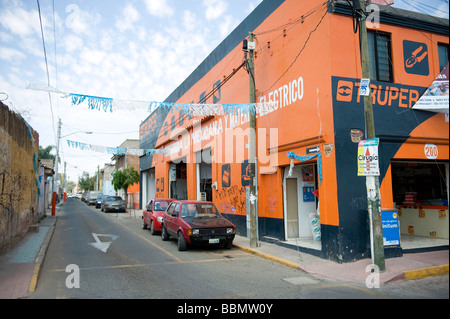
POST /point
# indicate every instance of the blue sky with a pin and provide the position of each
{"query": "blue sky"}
(125, 50)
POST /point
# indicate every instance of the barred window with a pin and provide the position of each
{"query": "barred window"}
(380, 56)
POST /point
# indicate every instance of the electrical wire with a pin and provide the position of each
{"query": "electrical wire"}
(46, 66)
(298, 54)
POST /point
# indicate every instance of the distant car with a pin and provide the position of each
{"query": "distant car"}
(113, 203)
(196, 223)
(153, 214)
(91, 197)
(98, 202)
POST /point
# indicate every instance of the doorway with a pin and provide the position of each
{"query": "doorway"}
(204, 175)
(177, 180)
(300, 205)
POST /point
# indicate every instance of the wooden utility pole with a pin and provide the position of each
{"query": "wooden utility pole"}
(372, 182)
(253, 198)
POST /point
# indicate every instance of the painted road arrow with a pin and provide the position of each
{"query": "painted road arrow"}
(103, 246)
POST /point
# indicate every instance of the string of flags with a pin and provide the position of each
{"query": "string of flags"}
(301, 158)
(110, 105)
(113, 150)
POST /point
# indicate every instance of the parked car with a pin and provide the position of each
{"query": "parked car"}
(113, 203)
(91, 197)
(153, 214)
(196, 223)
(98, 202)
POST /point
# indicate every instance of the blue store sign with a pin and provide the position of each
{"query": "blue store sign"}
(391, 227)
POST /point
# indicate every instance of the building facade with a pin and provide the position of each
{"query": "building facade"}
(307, 63)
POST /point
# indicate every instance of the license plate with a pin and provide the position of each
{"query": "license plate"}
(214, 240)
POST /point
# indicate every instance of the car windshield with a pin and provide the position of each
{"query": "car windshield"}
(199, 210)
(161, 205)
(113, 198)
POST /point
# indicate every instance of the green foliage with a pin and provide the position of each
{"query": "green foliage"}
(124, 178)
(86, 183)
(44, 153)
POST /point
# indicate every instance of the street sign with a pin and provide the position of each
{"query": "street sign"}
(313, 150)
(368, 158)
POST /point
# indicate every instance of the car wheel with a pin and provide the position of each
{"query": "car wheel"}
(181, 242)
(144, 225)
(164, 234)
(152, 228)
(228, 245)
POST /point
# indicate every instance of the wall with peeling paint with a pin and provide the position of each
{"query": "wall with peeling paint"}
(19, 177)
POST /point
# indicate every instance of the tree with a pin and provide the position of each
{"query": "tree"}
(124, 178)
(44, 153)
(86, 183)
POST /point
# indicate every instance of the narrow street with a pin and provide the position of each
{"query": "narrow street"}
(118, 259)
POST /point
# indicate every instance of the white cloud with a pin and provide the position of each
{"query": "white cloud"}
(215, 8)
(11, 55)
(20, 22)
(227, 25)
(159, 8)
(130, 16)
(72, 42)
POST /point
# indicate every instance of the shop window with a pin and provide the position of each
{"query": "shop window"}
(419, 184)
(380, 56)
(443, 55)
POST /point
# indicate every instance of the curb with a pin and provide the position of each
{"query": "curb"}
(40, 258)
(420, 273)
(269, 256)
(426, 272)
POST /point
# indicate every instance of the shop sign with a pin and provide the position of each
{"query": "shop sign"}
(368, 164)
(431, 151)
(391, 230)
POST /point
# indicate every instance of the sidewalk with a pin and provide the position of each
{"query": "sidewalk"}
(409, 266)
(20, 267)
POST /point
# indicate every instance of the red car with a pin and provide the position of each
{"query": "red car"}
(196, 222)
(152, 215)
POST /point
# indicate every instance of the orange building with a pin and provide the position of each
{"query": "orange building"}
(307, 63)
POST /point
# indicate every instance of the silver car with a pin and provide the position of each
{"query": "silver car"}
(113, 204)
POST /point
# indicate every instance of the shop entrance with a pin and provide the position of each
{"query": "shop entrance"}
(420, 192)
(204, 175)
(300, 206)
(177, 180)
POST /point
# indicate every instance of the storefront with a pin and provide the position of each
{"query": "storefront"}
(421, 197)
(307, 139)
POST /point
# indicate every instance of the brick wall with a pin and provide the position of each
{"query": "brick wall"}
(19, 151)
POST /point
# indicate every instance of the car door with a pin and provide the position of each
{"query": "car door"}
(173, 212)
(168, 217)
(148, 212)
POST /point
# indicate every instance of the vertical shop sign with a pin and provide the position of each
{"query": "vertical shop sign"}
(368, 158)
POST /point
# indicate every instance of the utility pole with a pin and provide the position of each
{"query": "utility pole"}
(253, 198)
(372, 182)
(55, 179)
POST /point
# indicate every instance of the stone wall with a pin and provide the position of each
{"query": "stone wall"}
(19, 151)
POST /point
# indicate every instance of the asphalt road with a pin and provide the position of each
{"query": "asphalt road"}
(107, 255)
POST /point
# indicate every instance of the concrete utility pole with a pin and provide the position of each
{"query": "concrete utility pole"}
(253, 198)
(55, 179)
(372, 182)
